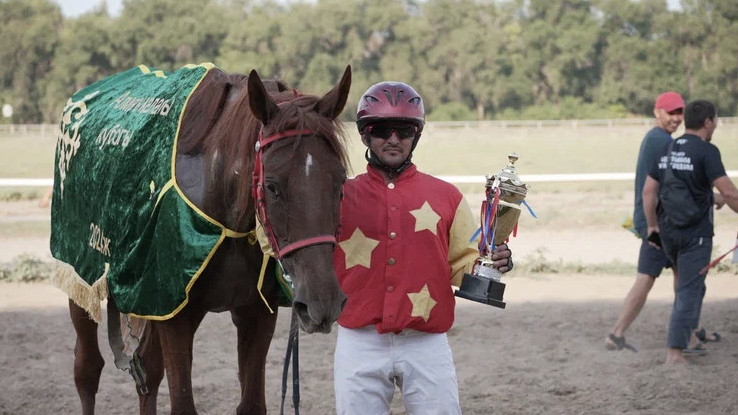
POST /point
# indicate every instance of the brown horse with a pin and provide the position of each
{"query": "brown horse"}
(300, 166)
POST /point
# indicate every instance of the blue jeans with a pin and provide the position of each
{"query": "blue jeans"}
(689, 255)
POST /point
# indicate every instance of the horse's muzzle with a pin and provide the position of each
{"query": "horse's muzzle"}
(320, 317)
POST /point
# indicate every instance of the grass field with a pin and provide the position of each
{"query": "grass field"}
(450, 151)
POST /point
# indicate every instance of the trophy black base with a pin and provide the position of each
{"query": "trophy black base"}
(482, 290)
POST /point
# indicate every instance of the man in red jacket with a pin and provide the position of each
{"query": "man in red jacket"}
(404, 242)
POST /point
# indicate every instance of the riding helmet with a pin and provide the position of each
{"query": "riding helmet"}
(390, 101)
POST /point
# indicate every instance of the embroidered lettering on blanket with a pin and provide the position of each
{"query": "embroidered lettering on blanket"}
(120, 225)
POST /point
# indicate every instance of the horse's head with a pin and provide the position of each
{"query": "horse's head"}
(299, 170)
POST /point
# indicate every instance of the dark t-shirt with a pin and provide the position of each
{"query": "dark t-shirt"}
(698, 164)
(652, 147)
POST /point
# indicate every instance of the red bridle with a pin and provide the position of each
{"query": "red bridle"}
(258, 194)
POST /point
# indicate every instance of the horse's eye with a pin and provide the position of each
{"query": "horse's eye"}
(273, 189)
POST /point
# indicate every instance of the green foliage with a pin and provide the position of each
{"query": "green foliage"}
(26, 268)
(540, 59)
(85, 54)
(568, 108)
(167, 34)
(16, 195)
(537, 263)
(451, 111)
(726, 267)
(28, 40)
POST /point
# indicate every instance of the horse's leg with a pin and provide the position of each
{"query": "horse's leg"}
(150, 353)
(255, 326)
(176, 337)
(88, 362)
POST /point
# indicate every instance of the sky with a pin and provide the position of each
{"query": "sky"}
(74, 8)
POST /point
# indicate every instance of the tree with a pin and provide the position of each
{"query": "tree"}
(85, 54)
(27, 43)
(168, 34)
(461, 41)
(709, 58)
(562, 43)
(639, 58)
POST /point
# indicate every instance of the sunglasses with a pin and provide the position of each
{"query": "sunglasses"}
(384, 131)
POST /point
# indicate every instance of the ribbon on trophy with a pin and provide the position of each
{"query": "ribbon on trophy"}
(505, 193)
(488, 216)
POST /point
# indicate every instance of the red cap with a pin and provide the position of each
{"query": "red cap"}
(669, 101)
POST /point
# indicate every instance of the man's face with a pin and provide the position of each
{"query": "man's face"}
(668, 121)
(391, 142)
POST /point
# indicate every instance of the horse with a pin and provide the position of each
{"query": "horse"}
(247, 148)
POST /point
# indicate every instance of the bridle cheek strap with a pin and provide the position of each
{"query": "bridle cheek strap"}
(260, 201)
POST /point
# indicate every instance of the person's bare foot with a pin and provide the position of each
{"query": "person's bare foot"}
(609, 344)
(675, 357)
(694, 342)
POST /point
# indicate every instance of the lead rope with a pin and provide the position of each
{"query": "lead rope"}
(292, 343)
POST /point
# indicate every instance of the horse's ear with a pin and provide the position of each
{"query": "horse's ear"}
(333, 102)
(261, 103)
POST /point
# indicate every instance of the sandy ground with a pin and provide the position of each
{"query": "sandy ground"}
(544, 354)
(564, 238)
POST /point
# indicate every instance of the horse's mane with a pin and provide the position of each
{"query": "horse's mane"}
(220, 121)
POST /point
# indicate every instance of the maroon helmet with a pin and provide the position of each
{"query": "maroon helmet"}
(390, 101)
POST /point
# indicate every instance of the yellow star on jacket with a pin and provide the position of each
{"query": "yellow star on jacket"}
(426, 218)
(423, 303)
(358, 249)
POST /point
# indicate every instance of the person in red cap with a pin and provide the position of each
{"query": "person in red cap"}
(668, 110)
(404, 241)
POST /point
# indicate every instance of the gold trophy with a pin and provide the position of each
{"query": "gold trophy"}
(501, 210)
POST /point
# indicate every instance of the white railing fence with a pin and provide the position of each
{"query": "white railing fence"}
(529, 178)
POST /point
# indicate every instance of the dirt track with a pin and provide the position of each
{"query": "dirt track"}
(544, 354)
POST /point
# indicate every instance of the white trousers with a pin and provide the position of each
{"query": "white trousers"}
(368, 365)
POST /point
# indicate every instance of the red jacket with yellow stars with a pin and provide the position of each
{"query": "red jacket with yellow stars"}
(402, 245)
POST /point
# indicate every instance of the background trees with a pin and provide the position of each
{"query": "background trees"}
(470, 59)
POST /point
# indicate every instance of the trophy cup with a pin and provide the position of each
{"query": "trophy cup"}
(500, 212)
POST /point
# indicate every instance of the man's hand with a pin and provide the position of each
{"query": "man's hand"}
(502, 257)
(719, 200)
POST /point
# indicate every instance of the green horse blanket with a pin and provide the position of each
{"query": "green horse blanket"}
(120, 225)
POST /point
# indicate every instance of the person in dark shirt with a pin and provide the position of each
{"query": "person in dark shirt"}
(697, 162)
(668, 110)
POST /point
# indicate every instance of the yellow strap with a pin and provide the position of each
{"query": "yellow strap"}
(264, 263)
(233, 234)
(163, 190)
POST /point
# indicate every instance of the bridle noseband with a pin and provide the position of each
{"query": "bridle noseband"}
(260, 201)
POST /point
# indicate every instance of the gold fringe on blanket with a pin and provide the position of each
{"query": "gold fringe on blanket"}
(88, 297)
